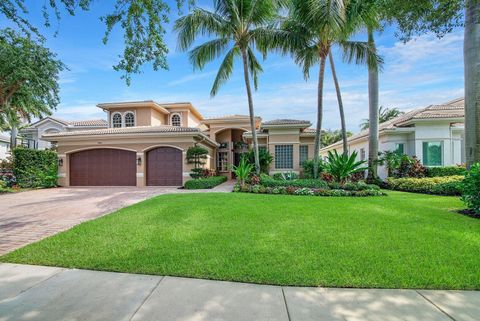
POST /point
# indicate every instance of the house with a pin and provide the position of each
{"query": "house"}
(146, 142)
(4, 146)
(434, 134)
(31, 136)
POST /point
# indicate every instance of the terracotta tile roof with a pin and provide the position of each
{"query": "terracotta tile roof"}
(453, 109)
(88, 123)
(125, 130)
(228, 117)
(285, 122)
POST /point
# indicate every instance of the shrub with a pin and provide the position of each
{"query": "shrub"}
(243, 170)
(471, 188)
(265, 159)
(288, 176)
(265, 180)
(206, 182)
(410, 167)
(197, 155)
(35, 168)
(342, 166)
(447, 185)
(308, 168)
(445, 171)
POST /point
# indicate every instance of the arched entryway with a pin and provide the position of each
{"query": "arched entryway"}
(231, 148)
(103, 167)
(164, 167)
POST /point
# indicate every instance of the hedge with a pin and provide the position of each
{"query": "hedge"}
(305, 191)
(445, 171)
(447, 185)
(311, 183)
(204, 183)
(34, 168)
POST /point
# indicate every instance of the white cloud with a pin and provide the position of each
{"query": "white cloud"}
(192, 77)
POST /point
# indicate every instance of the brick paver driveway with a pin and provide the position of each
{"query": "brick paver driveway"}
(30, 216)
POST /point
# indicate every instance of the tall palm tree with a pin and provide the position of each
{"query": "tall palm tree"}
(472, 81)
(311, 30)
(340, 104)
(239, 26)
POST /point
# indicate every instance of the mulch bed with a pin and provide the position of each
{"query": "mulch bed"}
(470, 213)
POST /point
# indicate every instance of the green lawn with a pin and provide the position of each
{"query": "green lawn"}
(399, 241)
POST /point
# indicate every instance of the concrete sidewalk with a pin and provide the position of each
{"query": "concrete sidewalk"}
(48, 293)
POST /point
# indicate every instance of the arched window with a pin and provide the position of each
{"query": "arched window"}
(176, 120)
(116, 120)
(129, 119)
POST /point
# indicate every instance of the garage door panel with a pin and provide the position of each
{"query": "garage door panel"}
(103, 167)
(164, 167)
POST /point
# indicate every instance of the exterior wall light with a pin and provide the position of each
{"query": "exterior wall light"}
(60, 162)
(139, 161)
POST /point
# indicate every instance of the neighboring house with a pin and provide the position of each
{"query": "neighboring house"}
(4, 146)
(146, 143)
(434, 135)
(31, 135)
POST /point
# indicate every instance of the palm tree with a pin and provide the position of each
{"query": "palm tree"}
(311, 30)
(239, 26)
(384, 114)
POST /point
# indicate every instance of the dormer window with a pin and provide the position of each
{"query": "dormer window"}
(116, 120)
(176, 120)
(129, 119)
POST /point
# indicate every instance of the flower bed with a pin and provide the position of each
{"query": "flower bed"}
(349, 189)
(205, 183)
(446, 185)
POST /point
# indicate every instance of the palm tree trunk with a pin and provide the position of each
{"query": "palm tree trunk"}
(471, 51)
(251, 112)
(13, 136)
(318, 133)
(373, 115)
(340, 104)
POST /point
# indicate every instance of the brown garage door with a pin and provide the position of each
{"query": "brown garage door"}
(164, 167)
(103, 167)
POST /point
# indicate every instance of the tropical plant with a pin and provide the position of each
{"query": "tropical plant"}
(265, 159)
(308, 168)
(238, 26)
(410, 167)
(309, 33)
(330, 137)
(341, 167)
(471, 188)
(242, 171)
(384, 115)
(142, 21)
(391, 160)
(29, 76)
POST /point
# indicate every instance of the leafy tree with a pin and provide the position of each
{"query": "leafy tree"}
(238, 26)
(385, 114)
(330, 137)
(29, 78)
(142, 22)
(415, 17)
(197, 155)
(309, 33)
(264, 156)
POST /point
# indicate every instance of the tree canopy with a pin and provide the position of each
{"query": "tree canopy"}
(385, 114)
(142, 22)
(29, 76)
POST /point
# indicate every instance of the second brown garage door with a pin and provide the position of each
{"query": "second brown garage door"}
(103, 167)
(164, 167)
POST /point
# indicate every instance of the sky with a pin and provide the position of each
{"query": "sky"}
(423, 71)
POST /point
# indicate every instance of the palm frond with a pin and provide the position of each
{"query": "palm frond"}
(199, 22)
(254, 67)
(360, 53)
(207, 52)
(307, 58)
(225, 70)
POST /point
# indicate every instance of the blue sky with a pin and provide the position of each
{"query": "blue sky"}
(423, 71)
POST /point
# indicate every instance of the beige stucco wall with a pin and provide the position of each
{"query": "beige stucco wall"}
(140, 145)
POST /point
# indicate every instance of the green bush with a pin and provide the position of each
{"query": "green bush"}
(471, 188)
(308, 168)
(268, 181)
(447, 185)
(306, 191)
(445, 171)
(35, 168)
(264, 157)
(288, 176)
(204, 183)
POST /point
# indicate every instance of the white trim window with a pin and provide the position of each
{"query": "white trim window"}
(303, 152)
(284, 156)
(433, 153)
(363, 154)
(129, 119)
(176, 120)
(222, 161)
(116, 120)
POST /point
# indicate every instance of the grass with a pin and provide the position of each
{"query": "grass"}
(400, 241)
